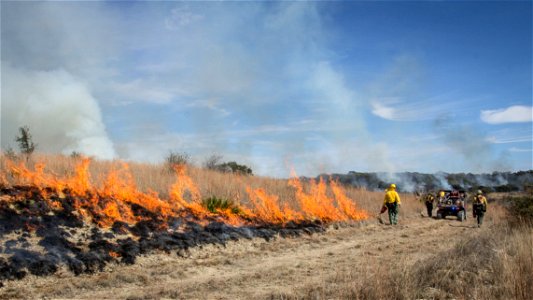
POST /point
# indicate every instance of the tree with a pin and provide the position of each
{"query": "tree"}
(212, 162)
(75, 154)
(234, 167)
(26, 144)
(10, 154)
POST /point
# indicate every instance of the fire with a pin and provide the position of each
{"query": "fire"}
(119, 198)
(266, 207)
(346, 206)
(80, 183)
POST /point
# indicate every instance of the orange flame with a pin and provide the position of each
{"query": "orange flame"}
(119, 199)
(266, 207)
(346, 206)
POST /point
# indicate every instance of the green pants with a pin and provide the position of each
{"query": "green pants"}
(393, 213)
(479, 213)
(480, 218)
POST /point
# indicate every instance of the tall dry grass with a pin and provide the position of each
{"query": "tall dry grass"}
(495, 264)
(159, 178)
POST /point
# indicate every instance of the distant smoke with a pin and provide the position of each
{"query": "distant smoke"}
(443, 182)
(477, 152)
(57, 107)
(411, 182)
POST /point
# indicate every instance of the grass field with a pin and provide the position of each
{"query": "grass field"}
(421, 258)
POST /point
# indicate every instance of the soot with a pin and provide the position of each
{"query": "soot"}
(41, 239)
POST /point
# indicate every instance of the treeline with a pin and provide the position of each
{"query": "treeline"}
(414, 181)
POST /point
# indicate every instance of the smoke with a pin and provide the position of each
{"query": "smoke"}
(58, 108)
(442, 181)
(476, 151)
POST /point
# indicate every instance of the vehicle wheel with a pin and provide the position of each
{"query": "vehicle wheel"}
(439, 215)
(461, 216)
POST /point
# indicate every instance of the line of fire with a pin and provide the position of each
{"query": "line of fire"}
(72, 222)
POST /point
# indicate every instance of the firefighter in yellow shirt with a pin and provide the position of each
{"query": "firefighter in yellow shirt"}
(392, 201)
(479, 207)
(429, 199)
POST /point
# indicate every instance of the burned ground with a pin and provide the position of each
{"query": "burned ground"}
(317, 266)
(38, 238)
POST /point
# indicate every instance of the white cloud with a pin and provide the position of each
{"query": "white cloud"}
(382, 111)
(512, 114)
(210, 104)
(509, 139)
(139, 90)
(515, 149)
(181, 17)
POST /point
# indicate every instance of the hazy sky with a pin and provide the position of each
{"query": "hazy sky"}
(321, 86)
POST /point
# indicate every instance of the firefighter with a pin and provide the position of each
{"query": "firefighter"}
(442, 196)
(429, 199)
(479, 207)
(392, 202)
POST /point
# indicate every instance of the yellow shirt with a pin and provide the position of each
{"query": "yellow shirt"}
(430, 198)
(480, 199)
(391, 196)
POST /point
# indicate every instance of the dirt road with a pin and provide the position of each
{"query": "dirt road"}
(257, 269)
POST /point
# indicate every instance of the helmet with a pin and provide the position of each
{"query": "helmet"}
(392, 186)
(479, 192)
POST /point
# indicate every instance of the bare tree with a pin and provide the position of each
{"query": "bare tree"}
(212, 162)
(177, 159)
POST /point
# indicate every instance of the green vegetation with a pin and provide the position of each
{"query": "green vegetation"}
(235, 168)
(521, 209)
(213, 162)
(214, 205)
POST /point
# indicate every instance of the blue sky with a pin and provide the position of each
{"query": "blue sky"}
(321, 86)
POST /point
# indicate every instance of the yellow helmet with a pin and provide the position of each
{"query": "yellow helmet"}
(479, 192)
(392, 186)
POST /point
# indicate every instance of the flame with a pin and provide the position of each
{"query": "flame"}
(346, 206)
(119, 198)
(266, 207)
(316, 204)
(80, 183)
(114, 254)
(183, 185)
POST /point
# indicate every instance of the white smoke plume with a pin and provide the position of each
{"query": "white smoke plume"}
(58, 108)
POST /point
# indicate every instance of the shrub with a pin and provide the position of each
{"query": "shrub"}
(75, 154)
(235, 168)
(521, 209)
(214, 205)
(213, 162)
(174, 159)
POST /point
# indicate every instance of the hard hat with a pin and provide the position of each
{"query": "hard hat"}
(479, 192)
(392, 186)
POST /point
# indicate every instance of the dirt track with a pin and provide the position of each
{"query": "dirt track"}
(256, 268)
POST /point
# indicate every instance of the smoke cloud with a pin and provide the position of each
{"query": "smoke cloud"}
(477, 153)
(58, 108)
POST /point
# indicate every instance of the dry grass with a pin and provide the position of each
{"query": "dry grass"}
(495, 264)
(158, 178)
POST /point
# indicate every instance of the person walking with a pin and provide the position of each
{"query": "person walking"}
(429, 199)
(392, 201)
(479, 207)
